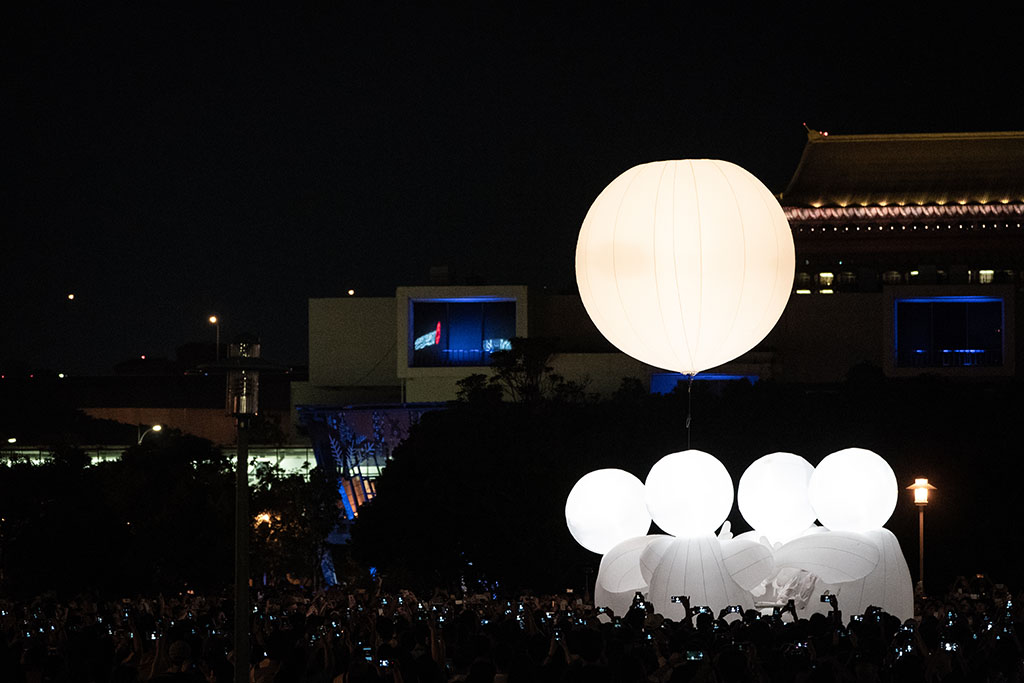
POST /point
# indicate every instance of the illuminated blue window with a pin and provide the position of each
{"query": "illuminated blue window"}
(447, 332)
(949, 331)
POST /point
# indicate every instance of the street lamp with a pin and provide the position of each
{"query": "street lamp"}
(242, 367)
(215, 321)
(142, 434)
(920, 487)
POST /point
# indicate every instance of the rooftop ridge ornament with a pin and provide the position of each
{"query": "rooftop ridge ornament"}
(685, 265)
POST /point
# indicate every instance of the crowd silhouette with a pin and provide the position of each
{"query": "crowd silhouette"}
(351, 635)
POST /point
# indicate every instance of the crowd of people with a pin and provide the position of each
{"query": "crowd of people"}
(354, 635)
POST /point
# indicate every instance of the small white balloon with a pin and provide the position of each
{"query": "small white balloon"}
(772, 496)
(689, 493)
(606, 507)
(853, 490)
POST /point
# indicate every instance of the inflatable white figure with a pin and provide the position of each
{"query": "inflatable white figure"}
(606, 507)
(690, 494)
(856, 490)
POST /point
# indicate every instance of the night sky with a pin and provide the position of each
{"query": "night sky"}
(168, 161)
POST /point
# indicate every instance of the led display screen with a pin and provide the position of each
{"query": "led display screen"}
(460, 331)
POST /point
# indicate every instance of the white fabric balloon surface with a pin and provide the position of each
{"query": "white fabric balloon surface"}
(695, 567)
(772, 496)
(606, 507)
(620, 567)
(618, 603)
(748, 562)
(652, 554)
(685, 265)
(888, 586)
(689, 493)
(853, 490)
(833, 556)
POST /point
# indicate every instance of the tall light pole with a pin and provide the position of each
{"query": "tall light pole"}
(920, 487)
(215, 321)
(242, 367)
(142, 434)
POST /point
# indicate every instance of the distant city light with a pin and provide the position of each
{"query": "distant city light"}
(143, 356)
(351, 292)
(213, 320)
(12, 440)
(71, 297)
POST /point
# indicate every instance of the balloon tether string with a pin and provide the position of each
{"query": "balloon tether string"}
(689, 409)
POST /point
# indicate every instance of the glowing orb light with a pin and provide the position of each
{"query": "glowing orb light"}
(689, 493)
(853, 490)
(606, 507)
(772, 496)
(685, 265)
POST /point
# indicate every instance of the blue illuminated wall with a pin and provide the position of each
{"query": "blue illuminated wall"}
(948, 331)
(666, 382)
(457, 332)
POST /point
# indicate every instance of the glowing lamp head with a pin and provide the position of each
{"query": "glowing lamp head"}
(213, 320)
(689, 493)
(772, 496)
(606, 507)
(853, 490)
(157, 428)
(921, 487)
(685, 265)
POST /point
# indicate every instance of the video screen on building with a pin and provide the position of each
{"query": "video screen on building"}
(940, 332)
(448, 332)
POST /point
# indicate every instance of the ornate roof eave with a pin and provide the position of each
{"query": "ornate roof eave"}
(930, 211)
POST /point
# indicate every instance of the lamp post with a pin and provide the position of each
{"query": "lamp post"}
(142, 434)
(242, 367)
(215, 321)
(920, 487)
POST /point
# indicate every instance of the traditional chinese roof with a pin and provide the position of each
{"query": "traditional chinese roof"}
(908, 170)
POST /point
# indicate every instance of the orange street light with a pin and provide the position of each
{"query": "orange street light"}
(215, 321)
(920, 487)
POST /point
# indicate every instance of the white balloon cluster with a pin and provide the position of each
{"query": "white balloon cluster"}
(690, 494)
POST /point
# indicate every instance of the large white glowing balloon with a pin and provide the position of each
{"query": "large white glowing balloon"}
(853, 490)
(689, 493)
(685, 265)
(772, 496)
(694, 567)
(606, 507)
